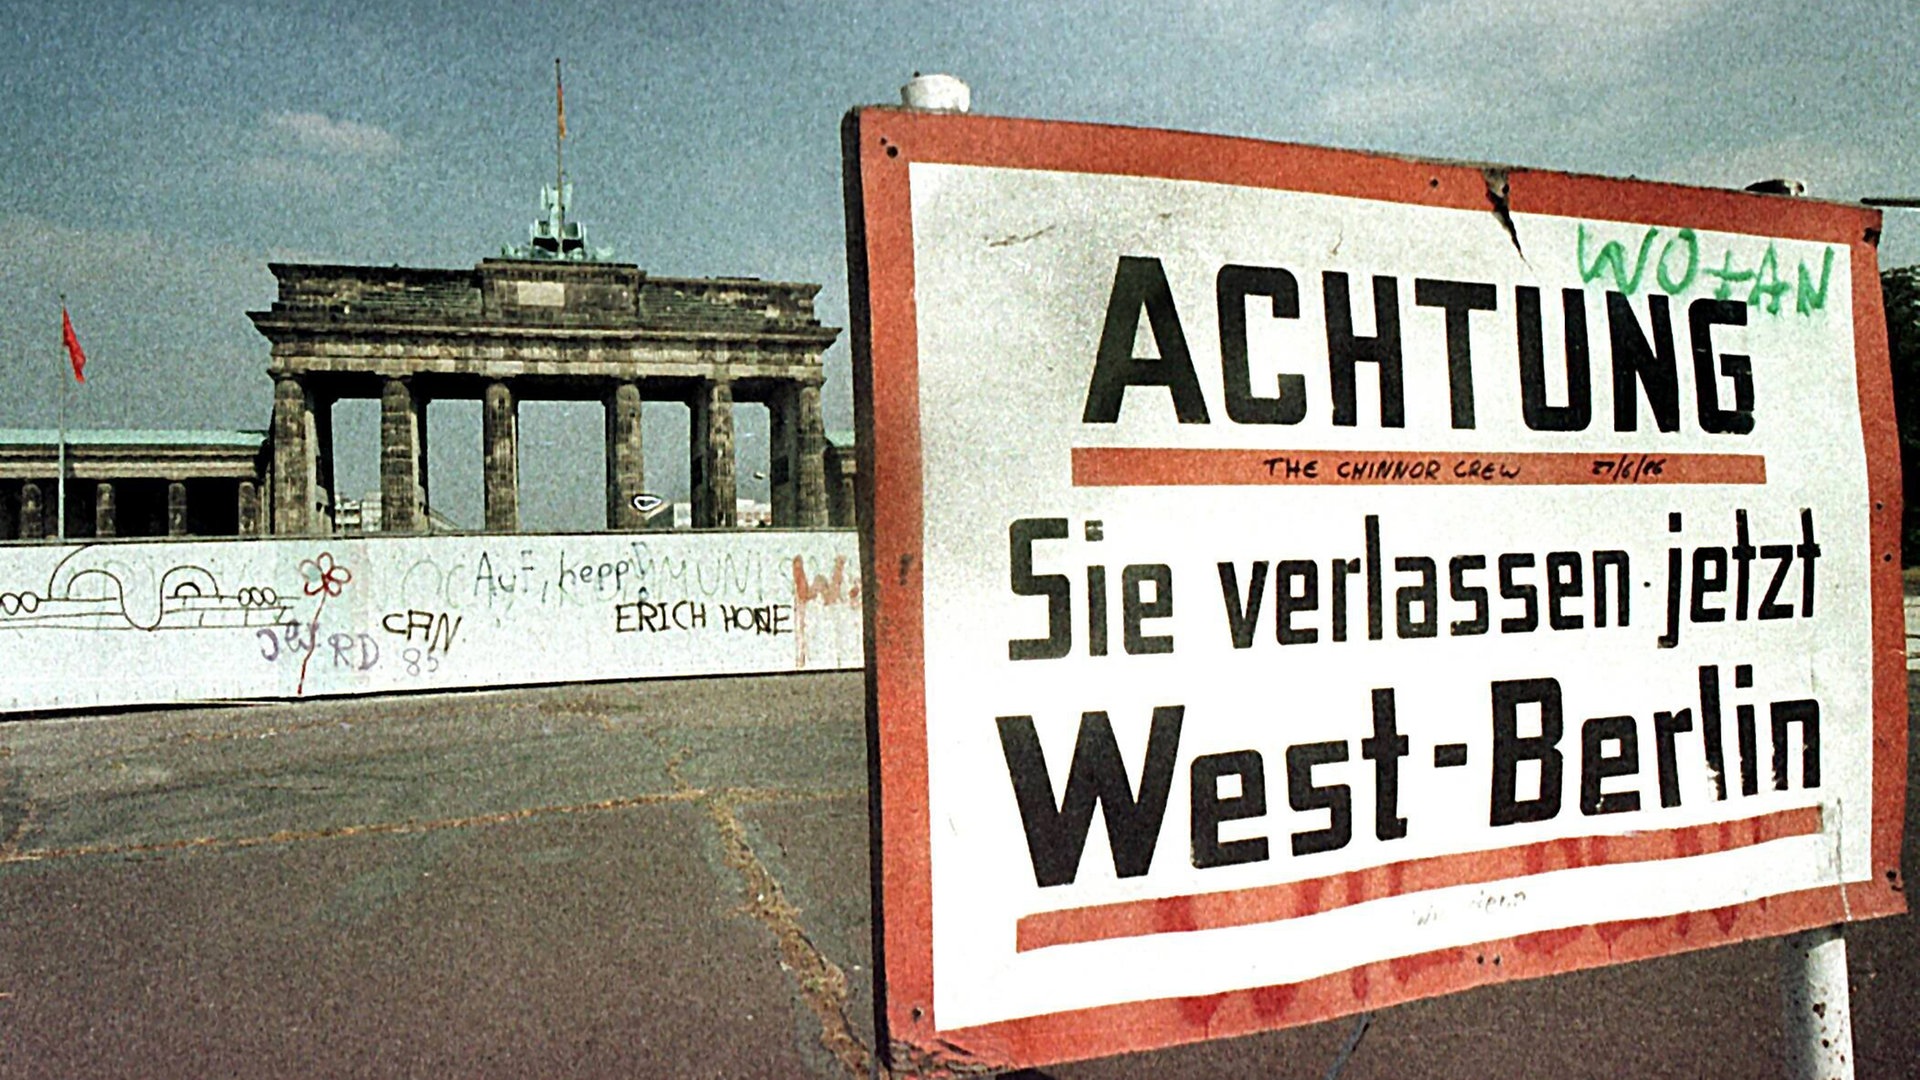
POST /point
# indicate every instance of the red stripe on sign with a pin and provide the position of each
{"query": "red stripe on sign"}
(1103, 466)
(1276, 903)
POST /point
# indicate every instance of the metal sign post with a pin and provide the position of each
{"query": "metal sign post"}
(1818, 1007)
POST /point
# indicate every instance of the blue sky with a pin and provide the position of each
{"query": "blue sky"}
(155, 156)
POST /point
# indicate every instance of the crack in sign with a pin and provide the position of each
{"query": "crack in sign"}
(1498, 191)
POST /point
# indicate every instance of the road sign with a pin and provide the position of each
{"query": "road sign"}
(1305, 580)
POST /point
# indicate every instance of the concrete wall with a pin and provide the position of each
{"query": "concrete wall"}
(147, 623)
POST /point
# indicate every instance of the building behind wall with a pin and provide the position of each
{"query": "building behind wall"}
(135, 483)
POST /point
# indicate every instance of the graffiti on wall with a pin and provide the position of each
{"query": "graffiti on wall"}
(824, 598)
(98, 588)
(292, 618)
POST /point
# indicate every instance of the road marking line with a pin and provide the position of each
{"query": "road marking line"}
(390, 828)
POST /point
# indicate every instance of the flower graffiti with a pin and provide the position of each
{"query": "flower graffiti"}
(322, 574)
(321, 577)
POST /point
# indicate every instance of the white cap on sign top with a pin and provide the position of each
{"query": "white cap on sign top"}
(936, 93)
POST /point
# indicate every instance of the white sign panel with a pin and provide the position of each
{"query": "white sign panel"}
(1342, 580)
(146, 623)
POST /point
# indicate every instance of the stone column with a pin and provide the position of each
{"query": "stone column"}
(840, 462)
(176, 509)
(248, 509)
(500, 451)
(626, 458)
(781, 408)
(295, 459)
(33, 526)
(810, 467)
(712, 456)
(103, 518)
(400, 502)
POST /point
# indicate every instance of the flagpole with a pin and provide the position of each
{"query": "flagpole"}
(559, 163)
(60, 510)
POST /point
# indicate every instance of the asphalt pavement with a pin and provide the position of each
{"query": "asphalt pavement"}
(631, 880)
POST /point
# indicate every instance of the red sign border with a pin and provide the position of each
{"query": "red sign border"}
(878, 145)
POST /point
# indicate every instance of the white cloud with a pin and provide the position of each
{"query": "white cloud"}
(286, 172)
(317, 133)
(1377, 103)
(1340, 26)
(1576, 43)
(311, 153)
(1588, 25)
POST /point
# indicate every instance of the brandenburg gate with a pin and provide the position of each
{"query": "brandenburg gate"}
(547, 323)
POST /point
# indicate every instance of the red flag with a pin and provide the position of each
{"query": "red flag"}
(560, 97)
(73, 346)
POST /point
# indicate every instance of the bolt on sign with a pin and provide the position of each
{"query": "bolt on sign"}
(1305, 580)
